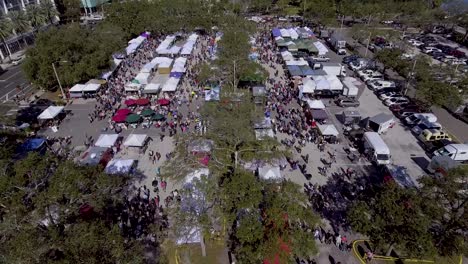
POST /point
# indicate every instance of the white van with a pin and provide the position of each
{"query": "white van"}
(457, 152)
(376, 149)
(419, 117)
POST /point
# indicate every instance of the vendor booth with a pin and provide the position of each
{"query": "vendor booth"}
(270, 173)
(76, 91)
(152, 88)
(381, 123)
(51, 112)
(350, 118)
(171, 85)
(133, 86)
(94, 156)
(136, 141)
(143, 78)
(106, 140)
(261, 134)
(319, 114)
(315, 104)
(120, 166)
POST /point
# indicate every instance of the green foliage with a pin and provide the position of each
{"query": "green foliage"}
(19, 21)
(446, 202)
(35, 16)
(68, 10)
(393, 217)
(86, 53)
(40, 198)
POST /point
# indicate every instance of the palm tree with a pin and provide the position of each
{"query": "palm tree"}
(20, 23)
(6, 30)
(49, 10)
(36, 17)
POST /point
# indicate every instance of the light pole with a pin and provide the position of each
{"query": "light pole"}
(411, 76)
(58, 80)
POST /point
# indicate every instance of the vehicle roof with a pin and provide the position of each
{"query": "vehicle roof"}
(377, 142)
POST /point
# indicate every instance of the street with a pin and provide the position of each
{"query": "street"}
(10, 80)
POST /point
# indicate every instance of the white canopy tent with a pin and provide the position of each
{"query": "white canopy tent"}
(179, 65)
(322, 84)
(132, 87)
(187, 48)
(197, 174)
(321, 48)
(119, 166)
(152, 88)
(77, 88)
(51, 112)
(328, 130)
(261, 134)
(335, 83)
(135, 140)
(92, 87)
(287, 56)
(285, 33)
(315, 104)
(143, 77)
(148, 67)
(308, 85)
(293, 33)
(270, 173)
(106, 140)
(171, 85)
(164, 47)
(162, 60)
(299, 62)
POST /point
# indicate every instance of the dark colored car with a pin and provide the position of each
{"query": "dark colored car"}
(409, 106)
(404, 113)
(348, 59)
(456, 53)
(386, 90)
(438, 55)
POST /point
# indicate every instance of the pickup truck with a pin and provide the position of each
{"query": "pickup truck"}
(320, 59)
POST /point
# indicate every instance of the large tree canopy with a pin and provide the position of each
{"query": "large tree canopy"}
(78, 54)
(55, 212)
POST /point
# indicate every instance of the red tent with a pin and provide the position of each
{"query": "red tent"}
(124, 112)
(142, 101)
(163, 102)
(130, 102)
(119, 118)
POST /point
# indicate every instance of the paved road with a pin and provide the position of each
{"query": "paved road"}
(10, 80)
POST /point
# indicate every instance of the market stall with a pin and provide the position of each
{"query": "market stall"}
(51, 112)
(120, 166)
(270, 173)
(106, 140)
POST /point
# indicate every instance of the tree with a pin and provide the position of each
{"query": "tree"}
(446, 202)
(68, 11)
(49, 11)
(42, 218)
(86, 52)
(35, 16)
(393, 217)
(19, 22)
(6, 30)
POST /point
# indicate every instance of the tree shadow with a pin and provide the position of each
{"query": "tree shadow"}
(333, 199)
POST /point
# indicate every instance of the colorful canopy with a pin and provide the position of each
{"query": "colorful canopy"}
(119, 118)
(130, 102)
(163, 102)
(158, 117)
(147, 112)
(142, 101)
(133, 118)
(124, 111)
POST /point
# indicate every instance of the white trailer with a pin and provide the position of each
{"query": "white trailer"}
(457, 152)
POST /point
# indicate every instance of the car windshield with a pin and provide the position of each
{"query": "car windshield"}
(383, 157)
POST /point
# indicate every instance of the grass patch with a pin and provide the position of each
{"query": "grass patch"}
(215, 253)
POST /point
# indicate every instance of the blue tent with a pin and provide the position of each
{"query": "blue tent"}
(276, 32)
(32, 144)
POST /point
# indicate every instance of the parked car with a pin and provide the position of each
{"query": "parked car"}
(438, 55)
(402, 114)
(429, 50)
(358, 64)
(387, 95)
(386, 90)
(380, 84)
(348, 102)
(364, 73)
(409, 107)
(425, 125)
(18, 60)
(374, 77)
(350, 58)
(415, 42)
(396, 100)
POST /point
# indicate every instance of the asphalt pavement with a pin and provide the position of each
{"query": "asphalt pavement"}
(10, 79)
